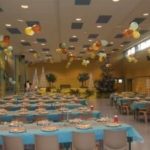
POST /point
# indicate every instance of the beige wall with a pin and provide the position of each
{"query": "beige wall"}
(64, 75)
(139, 72)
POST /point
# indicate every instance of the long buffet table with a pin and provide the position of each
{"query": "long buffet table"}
(64, 132)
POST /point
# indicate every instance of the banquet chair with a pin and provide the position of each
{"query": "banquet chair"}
(144, 112)
(115, 140)
(83, 141)
(46, 142)
(40, 118)
(12, 143)
(21, 119)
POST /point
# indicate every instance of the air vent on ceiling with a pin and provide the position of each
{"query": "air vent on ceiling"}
(46, 49)
(92, 36)
(14, 30)
(76, 25)
(103, 19)
(1, 10)
(82, 2)
(125, 42)
(41, 40)
(119, 35)
(138, 20)
(25, 43)
(73, 40)
(31, 23)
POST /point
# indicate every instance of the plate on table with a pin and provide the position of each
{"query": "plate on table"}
(112, 124)
(77, 120)
(17, 130)
(83, 126)
(49, 128)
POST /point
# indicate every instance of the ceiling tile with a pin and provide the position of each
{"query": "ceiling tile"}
(73, 40)
(41, 40)
(25, 43)
(82, 2)
(93, 36)
(103, 19)
(14, 30)
(76, 25)
(31, 23)
(138, 20)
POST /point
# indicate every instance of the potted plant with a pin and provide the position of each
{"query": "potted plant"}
(51, 78)
(83, 77)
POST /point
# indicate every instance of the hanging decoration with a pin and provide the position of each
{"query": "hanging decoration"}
(30, 31)
(132, 31)
(5, 49)
(131, 59)
(85, 62)
(101, 56)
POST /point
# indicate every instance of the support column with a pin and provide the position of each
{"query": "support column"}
(2, 75)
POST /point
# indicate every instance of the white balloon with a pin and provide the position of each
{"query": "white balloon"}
(104, 42)
(134, 26)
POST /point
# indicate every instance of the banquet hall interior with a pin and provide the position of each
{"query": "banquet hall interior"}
(74, 74)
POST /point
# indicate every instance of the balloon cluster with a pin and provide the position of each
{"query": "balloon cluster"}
(102, 56)
(85, 62)
(131, 59)
(30, 31)
(5, 48)
(12, 81)
(132, 31)
(71, 58)
(62, 48)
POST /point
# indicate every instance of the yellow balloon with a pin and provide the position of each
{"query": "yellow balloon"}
(29, 31)
(136, 34)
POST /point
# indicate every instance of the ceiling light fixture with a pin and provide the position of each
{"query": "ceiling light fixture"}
(22, 40)
(111, 42)
(20, 20)
(74, 36)
(99, 26)
(90, 40)
(121, 45)
(78, 19)
(43, 44)
(145, 14)
(24, 6)
(8, 25)
(115, 0)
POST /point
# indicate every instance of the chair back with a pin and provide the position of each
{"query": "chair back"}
(12, 143)
(46, 142)
(115, 140)
(83, 141)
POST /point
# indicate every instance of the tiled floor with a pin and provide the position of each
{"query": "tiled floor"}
(104, 106)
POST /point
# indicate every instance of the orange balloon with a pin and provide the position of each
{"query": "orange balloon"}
(128, 32)
(6, 39)
(36, 28)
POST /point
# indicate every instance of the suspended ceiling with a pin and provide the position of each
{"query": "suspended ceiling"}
(58, 21)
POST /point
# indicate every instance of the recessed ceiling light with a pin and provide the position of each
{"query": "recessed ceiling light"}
(25, 6)
(99, 26)
(115, 0)
(43, 44)
(111, 42)
(30, 49)
(20, 20)
(8, 25)
(145, 14)
(78, 19)
(22, 40)
(74, 36)
(121, 45)
(71, 46)
(35, 42)
(90, 40)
